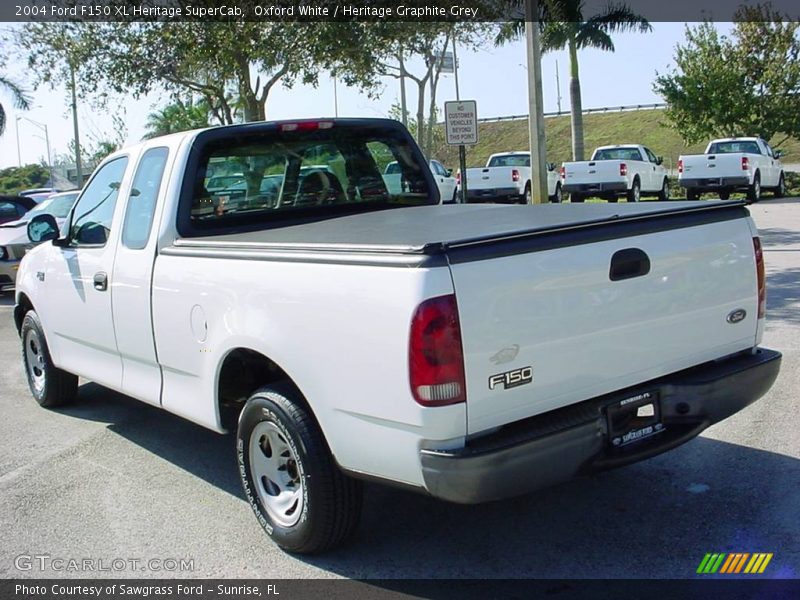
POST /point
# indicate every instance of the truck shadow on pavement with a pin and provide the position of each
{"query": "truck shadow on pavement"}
(783, 295)
(653, 519)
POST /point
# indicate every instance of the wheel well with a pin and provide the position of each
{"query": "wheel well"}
(243, 372)
(23, 305)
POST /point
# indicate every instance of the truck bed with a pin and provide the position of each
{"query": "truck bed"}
(435, 230)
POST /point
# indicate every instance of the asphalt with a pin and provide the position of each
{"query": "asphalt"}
(110, 478)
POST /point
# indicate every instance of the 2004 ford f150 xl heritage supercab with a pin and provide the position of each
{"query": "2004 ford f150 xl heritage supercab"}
(472, 352)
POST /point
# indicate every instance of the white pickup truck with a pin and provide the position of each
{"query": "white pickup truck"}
(346, 332)
(507, 178)
(631, 170)
(746, 164)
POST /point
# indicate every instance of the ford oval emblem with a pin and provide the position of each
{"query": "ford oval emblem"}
(736, 316)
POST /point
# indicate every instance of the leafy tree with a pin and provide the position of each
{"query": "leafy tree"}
(18, 95)
(563, 25)
(178, 116)
(746, 84)
(15, 179)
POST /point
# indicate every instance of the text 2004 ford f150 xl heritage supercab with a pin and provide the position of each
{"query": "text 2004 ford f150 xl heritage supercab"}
(472, 352)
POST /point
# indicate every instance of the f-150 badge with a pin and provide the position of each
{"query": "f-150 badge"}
(511, 379)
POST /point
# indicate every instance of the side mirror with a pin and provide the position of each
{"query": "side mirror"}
(42, 228)
(659, 160)
(551, 166)
(449, 172)
(777, 153)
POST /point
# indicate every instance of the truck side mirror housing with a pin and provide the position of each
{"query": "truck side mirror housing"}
(42, 228)
(659, 160)
(551, 166)
(449, 172)
(777, 153)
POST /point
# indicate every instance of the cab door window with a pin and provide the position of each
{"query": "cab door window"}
(94, 212)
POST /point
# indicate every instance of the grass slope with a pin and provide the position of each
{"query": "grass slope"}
(645, 127)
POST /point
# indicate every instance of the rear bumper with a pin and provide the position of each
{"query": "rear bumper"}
(493, 194)
(559, 445)
(595, 188)
(715, 183)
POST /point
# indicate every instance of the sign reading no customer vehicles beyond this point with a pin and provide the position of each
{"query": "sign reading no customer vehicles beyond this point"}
(461, 122)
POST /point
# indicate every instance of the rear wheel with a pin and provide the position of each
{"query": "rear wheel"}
(754, 191)
(780, 191)
(663, 195)
(292, 483)
(724, 195)
(49, 385)
(573, 197)
(692, 194)
(635, 193)
(527, 198)
(556, 197)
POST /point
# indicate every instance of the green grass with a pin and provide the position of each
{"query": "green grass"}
(645, 127)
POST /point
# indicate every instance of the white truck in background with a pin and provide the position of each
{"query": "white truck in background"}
(507, 178)
(629, 171)
(728, 165)
(348, 332)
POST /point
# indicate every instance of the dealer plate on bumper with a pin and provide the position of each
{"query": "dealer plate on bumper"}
(634, 419)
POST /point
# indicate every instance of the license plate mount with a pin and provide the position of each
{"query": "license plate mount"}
(634, 419)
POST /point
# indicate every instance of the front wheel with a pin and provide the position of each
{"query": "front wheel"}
(49, 385)
(556, 197)
(692, 195)
(635, 193)
(527, 198)
(663, 195)
(780, 191)
(724, 195)
(300, 497)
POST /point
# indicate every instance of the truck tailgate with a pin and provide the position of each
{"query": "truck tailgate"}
(491, 177)
(547, 321)
(712, 165)
(579, 173)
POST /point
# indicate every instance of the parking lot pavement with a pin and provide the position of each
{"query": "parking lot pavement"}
(110, 478)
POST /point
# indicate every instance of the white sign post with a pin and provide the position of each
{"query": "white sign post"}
(461, 127)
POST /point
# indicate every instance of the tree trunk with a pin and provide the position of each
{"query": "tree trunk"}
(575, 103)
(421, 112)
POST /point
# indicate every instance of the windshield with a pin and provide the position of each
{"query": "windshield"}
(510, 160)
(289, 173)
(58, 206)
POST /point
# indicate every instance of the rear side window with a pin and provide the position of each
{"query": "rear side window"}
(283, 172)
(618, 154)
(734, 147)
(511, 160)
(142, 201)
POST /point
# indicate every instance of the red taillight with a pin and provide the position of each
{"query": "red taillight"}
(745, 163)
(563, 173)
(514, 175)
(761, 278)
(306, 125)
(435, 355)
(623, 169)
(458, 178)
(680, 166)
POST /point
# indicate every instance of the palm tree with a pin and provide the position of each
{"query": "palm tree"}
(19, 97)
(177, 116)
(563, 25)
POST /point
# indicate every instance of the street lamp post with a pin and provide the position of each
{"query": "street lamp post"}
(43, 127)
(19, 154)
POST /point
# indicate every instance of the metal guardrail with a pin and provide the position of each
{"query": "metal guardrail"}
(586, 111)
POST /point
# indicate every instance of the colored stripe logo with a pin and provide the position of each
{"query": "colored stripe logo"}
(734, 563)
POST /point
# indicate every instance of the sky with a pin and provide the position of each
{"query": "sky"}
(496, 78)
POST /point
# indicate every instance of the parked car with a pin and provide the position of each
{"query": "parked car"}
(745, 164)
(507, 178)
(39, 194)
(14, 207)
(629, 171)
(445, 182)
(13, 234)
(382, 337)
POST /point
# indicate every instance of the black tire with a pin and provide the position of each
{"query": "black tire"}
(49, 385)
(613, 199)
(573, 197)
(328, 502)
(663, 195)
(692, 195)
(780, 191)
(455, 197)
(556, 197)
(635, 193)
(754, 190)
(724, 195)
(527, 197)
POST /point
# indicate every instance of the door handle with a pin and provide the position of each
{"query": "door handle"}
(628, 263)
(101, 281)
